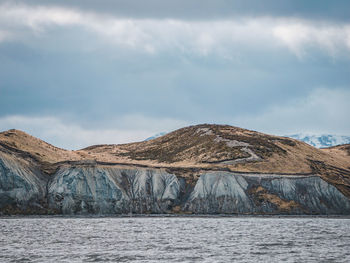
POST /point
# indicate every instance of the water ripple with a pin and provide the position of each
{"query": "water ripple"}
(183, 239)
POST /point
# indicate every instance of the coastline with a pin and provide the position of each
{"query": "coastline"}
(169, 216)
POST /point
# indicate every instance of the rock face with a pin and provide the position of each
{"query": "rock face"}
(22, 188)
(103, 189)
(111, 190)
(221, 192)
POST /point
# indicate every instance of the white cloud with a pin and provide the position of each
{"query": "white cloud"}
(71, 135)
(322, 111)
(199, 37)
(36, 17)
(298, 36)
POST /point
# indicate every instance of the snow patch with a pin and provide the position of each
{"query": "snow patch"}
(321, 141)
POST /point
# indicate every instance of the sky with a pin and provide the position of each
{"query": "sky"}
(78, 73)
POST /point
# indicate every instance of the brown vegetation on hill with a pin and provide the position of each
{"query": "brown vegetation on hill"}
(219, 147)
(341, 152)
(21, 145)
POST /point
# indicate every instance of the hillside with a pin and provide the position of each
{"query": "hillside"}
(223, 147)
(201, 146)
(20, 145)
(340, 152)
(343, 150)
(219, 146)
(202, 169)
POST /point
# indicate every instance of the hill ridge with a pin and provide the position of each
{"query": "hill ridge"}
(202, 145)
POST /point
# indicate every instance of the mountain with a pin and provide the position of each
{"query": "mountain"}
(321, 141)
(202, 169)
(155, 136)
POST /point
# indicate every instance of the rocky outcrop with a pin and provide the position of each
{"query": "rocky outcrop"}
(22, 187)
(110, 189)
(220, 192)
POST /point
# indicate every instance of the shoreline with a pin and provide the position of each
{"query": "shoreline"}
(169, 216)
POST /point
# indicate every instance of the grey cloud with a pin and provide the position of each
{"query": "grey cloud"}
(96, 87)
(67, 68)
(209, 9)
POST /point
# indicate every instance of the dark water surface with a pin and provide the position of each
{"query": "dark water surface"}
(175, 239)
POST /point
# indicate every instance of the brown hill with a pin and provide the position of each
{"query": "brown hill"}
(21, 142)
(209, 147)
(20, 145)
(219, 146)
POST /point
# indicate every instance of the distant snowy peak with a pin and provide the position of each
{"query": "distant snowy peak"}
(321, 141)
(156, 136)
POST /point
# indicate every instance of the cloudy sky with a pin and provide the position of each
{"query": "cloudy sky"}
(76, 73)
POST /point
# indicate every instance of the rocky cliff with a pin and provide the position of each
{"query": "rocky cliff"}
(210, 173)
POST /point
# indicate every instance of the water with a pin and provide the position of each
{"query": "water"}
(175, 239)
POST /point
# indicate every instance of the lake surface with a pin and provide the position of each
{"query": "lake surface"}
(175, 239)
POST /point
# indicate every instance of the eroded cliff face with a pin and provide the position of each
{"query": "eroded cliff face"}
(111, 190)
(22, 187)
(116, 189)
(220, 192)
